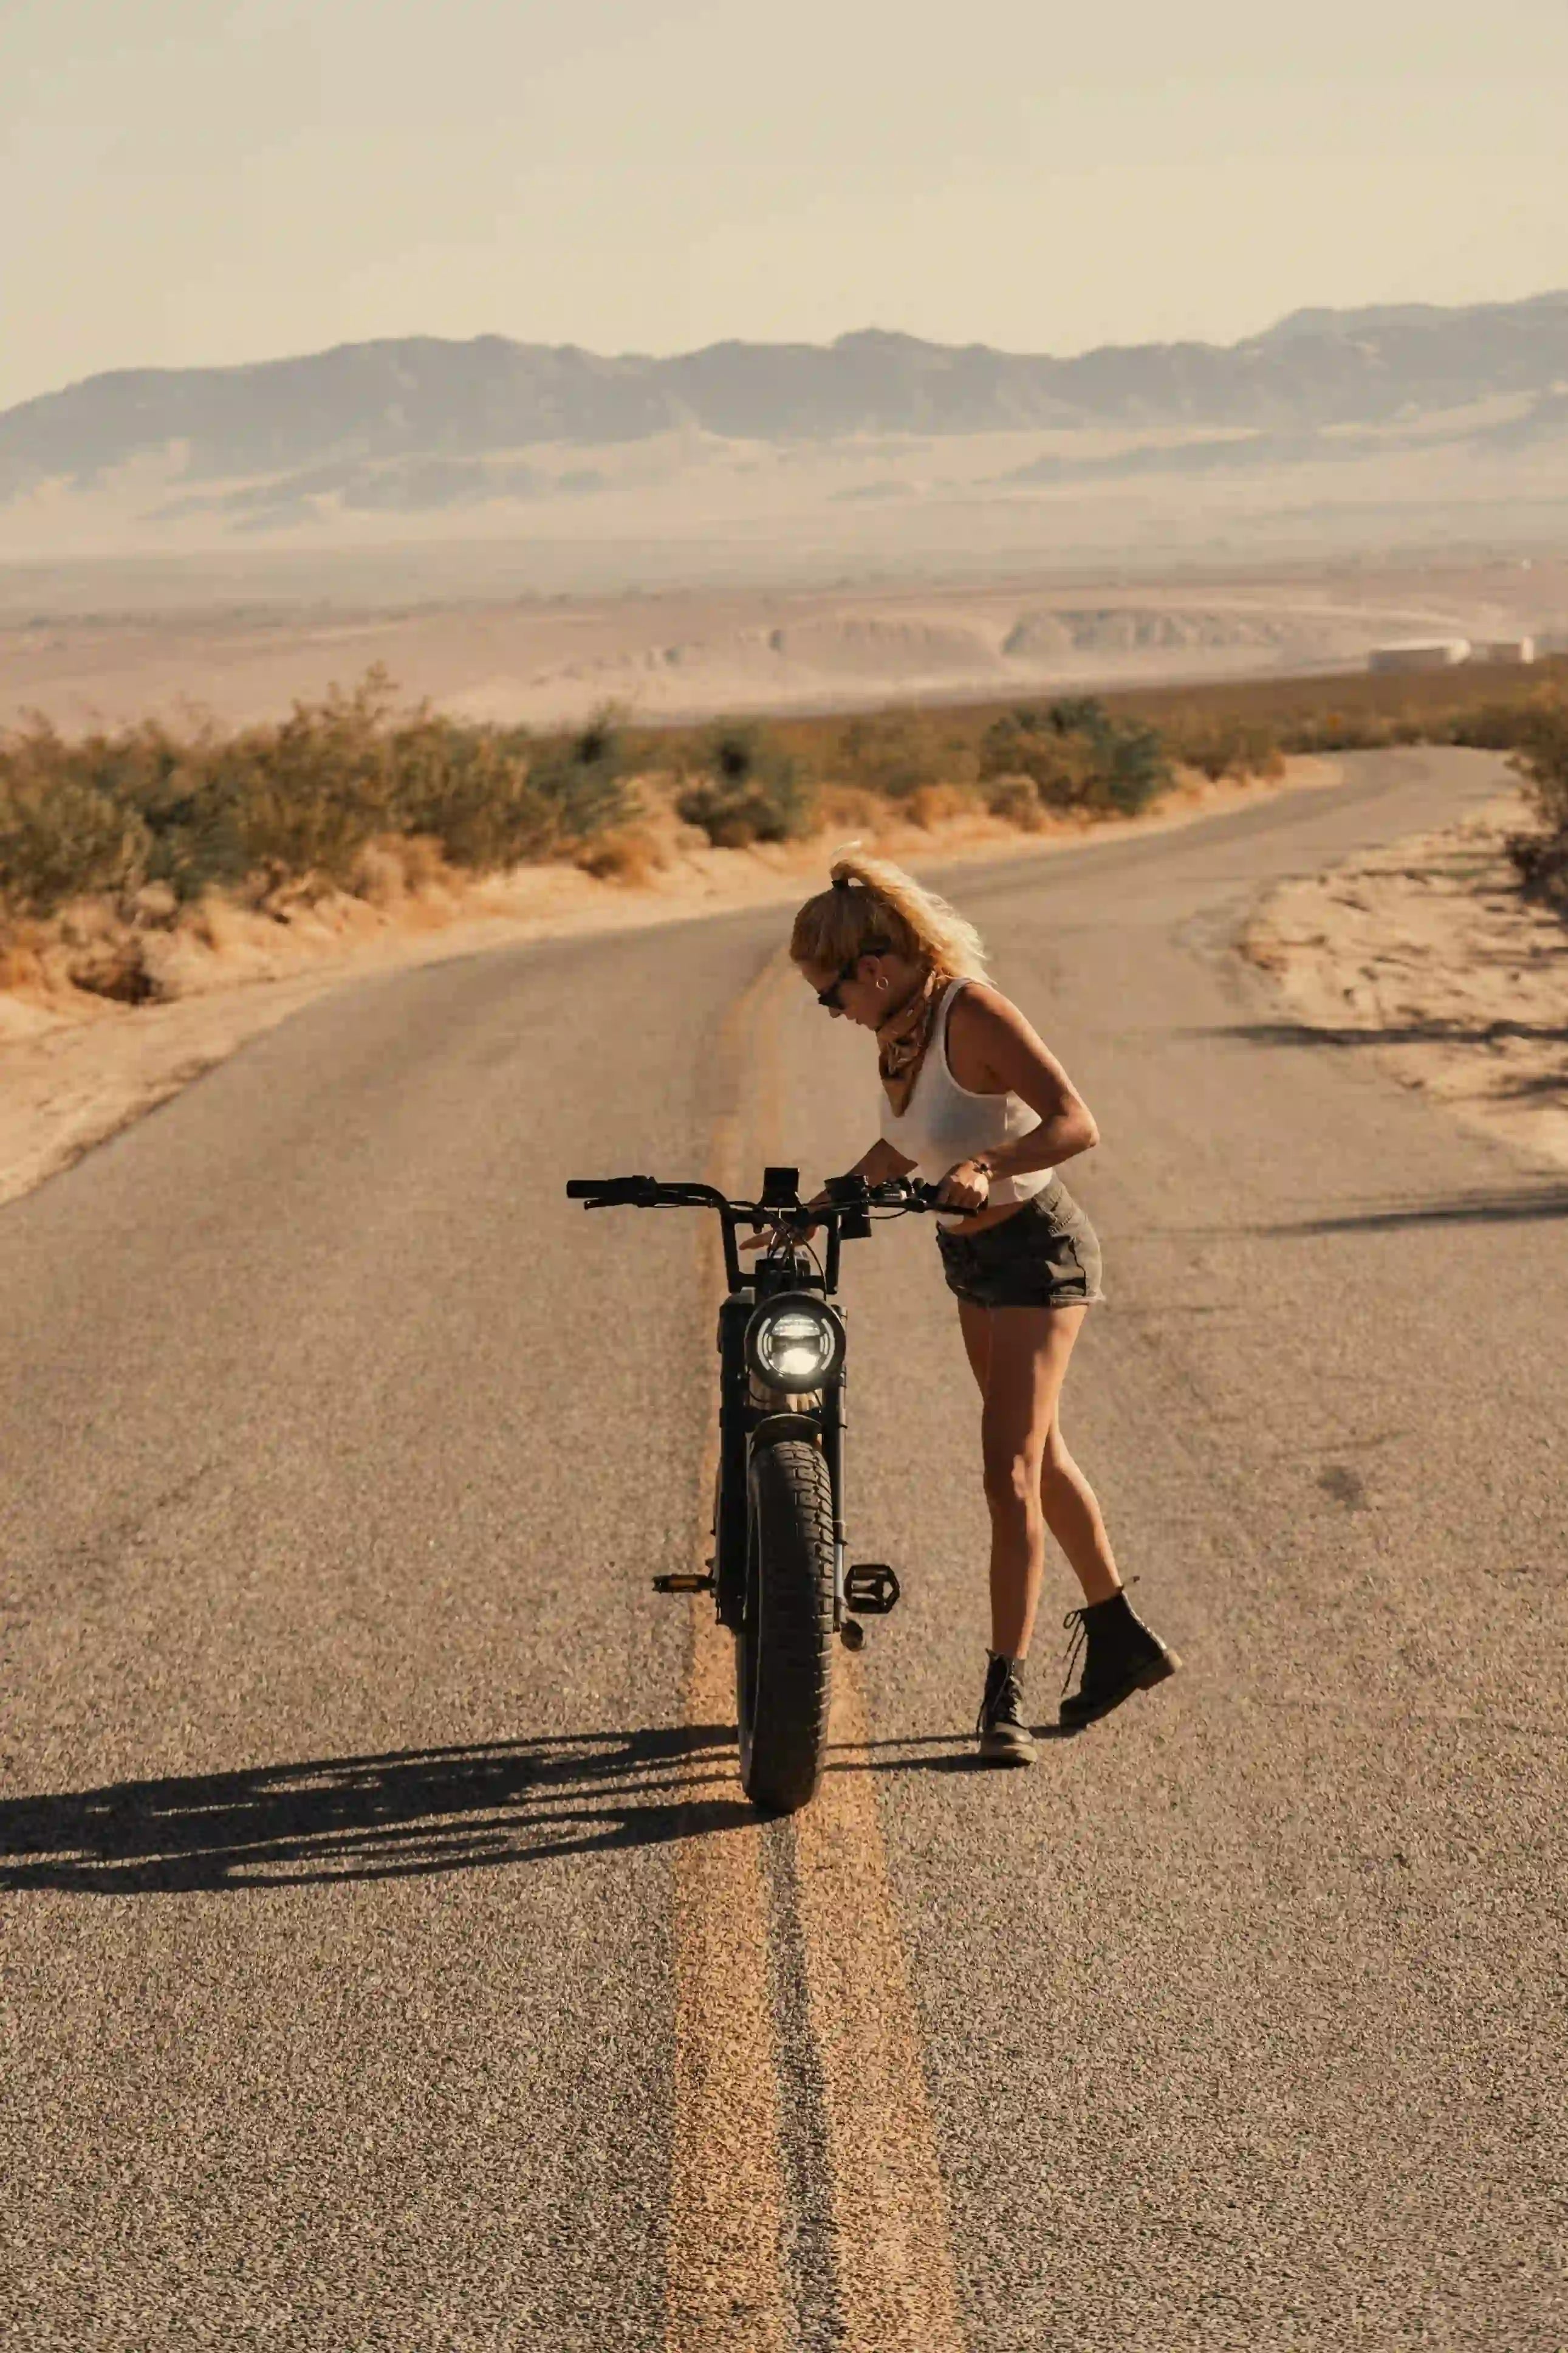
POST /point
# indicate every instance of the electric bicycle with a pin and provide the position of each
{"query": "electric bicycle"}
(779, 1574)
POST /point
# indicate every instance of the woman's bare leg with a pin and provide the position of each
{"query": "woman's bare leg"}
(1068, 1504)
(1026, 1362)
(1073, 1516)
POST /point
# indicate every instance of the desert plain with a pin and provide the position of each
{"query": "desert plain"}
(111, 642)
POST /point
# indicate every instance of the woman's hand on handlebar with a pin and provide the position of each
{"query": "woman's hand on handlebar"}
(966, 1186)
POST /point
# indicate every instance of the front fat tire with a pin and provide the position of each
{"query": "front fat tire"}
(784, 1652)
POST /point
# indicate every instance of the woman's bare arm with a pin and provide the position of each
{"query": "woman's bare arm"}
(1012, 1059)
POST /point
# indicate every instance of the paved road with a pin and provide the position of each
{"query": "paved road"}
(389, 1961)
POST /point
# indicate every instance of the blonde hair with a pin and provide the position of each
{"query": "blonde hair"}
(874, 905)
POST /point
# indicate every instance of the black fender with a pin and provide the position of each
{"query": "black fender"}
(786, 1425)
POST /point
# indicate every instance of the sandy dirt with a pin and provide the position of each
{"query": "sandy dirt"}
(1424, 954)
(76, 1067)
(681, 655)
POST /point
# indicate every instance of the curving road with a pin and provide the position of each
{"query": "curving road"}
(389, 1961)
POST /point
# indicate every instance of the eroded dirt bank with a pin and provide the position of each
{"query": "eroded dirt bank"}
(1424, 954)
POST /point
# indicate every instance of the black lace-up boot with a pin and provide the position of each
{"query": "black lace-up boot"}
(1005, 1737)
(1120, 1656)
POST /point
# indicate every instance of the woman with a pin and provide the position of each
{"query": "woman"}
(974, 1101)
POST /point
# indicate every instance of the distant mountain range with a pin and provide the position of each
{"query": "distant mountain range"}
(418, 398)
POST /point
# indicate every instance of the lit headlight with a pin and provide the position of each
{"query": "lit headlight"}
(793, 1343)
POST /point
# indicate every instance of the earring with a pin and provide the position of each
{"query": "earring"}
(882, 980)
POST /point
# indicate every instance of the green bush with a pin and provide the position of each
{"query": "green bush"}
(748, 787)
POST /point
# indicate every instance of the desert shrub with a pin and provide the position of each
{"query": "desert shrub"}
(1493, 726)
(311, 791)
(297, 803)
(1130, 764)
(1540, 758)
(1078, 755)
(936, 804)
(1337, 731)
(582, 780)
(1220, 746)
(892, 754)
(471, 790)
(748, 787)
(630, 855)
(61, 835)
(187, 797)
(1017, 800)
(849, 808)
(1026, 743)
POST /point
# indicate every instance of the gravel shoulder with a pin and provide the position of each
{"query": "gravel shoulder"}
(1426, 954)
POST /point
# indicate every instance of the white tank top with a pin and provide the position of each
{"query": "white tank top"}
(943, 1122)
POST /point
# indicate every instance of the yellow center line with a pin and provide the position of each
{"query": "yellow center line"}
(896, 2292)
(727, 2291)
(725, 2288)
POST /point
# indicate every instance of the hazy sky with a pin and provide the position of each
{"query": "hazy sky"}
(187, 181)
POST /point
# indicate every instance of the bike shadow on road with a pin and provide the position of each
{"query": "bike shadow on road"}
(407, 1813)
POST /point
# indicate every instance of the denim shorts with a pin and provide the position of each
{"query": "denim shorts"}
(1045, 1255)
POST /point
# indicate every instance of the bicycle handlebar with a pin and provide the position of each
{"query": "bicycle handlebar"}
(647, 1193)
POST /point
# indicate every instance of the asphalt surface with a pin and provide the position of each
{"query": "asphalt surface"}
(363, 1809)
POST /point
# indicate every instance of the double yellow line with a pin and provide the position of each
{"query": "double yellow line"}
(730, 2284)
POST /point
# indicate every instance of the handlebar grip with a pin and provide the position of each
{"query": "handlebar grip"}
(605, 1188)
(930, 1197)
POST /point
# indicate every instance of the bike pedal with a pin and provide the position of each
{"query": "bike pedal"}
(683, 1581)
(871, 1588)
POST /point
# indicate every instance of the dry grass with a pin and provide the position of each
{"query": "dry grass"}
(108, 839)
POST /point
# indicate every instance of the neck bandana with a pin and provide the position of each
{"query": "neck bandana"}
(904, 1037)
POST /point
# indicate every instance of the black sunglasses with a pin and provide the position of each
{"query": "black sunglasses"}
(828, 998)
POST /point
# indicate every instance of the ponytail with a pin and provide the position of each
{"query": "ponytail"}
(873, 905)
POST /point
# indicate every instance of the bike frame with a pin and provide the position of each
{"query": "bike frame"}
(750, 1412)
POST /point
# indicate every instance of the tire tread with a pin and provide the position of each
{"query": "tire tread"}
(782, 1763)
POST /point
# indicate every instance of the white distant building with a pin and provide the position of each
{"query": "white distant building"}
(1505, 649)
(1420, 653)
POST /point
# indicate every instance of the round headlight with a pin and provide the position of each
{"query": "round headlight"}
(793, 1342)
